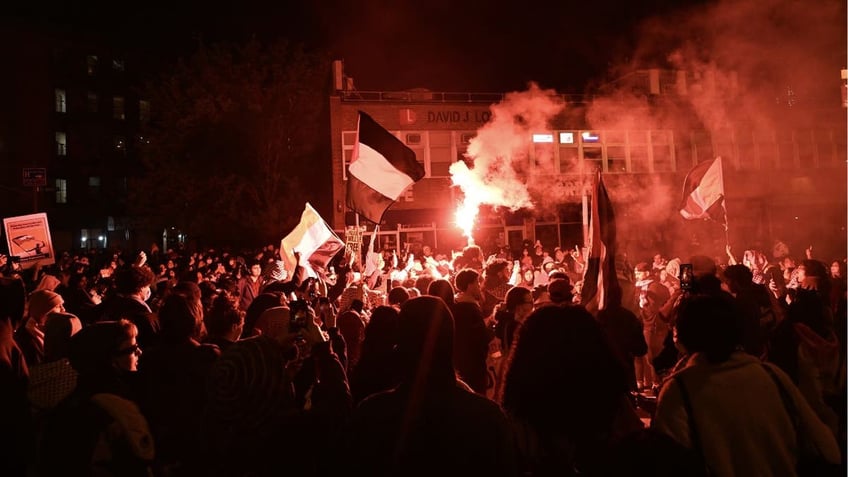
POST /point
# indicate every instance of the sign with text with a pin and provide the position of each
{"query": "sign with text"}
(28, 238)
(35, 177)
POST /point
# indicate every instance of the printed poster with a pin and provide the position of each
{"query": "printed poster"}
(28, 238)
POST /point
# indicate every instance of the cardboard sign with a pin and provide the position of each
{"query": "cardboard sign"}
(28, 238)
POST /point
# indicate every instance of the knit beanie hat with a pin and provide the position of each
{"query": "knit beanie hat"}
(58, 330)
(42, 301)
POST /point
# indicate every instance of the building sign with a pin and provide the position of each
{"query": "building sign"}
(34, 177)
(451, 117)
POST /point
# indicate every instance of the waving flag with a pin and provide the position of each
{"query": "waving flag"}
(381, 169)
(314, 240)
(703, 192)
(599, 277)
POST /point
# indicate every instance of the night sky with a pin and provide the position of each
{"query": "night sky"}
(441, 45)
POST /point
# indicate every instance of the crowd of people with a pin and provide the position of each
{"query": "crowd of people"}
(410, 362)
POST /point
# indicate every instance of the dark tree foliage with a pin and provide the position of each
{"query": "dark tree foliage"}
(234, 143)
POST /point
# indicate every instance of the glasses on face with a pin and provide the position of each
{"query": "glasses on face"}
(134, 349)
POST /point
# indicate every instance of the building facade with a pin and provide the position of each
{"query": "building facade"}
(74, 111)
(785, 183)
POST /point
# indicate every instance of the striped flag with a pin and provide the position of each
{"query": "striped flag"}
(314, 240)
(703, 192)
(381, 169)
(599, 277)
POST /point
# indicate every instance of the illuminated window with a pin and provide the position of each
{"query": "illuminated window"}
(543, 138)
(118, 107)
(590, 137)
(143, 111)
(566, 138)
(91, 64)
(61, 144)
(61, 191)
(91, 102)
(61, 104)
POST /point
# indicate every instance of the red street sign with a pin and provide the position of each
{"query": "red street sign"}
(35, 177)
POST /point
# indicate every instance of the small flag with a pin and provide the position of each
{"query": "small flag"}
(314, 240)
(703, 192)
(599, 276)
(373, 260)
(381, 169)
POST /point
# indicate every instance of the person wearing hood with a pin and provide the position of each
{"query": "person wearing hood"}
(431, 423)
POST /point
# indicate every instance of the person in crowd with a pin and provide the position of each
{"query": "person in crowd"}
(99, 429)
(129, 300)
(625, 333)
(250, 285)
(19, 446)
(508, 318)
(30, 336)
(258, 306)
(754, 306)
(741, 416)
(78, 300)
(376, 370)
(173, 375)
(566, 393)
(54, 378)
(224, 322)
(351, 324)
(510, 315)
(397, 297)
(253, 424)
(496, 283)
(429, 424)
(471, 335)
(806, 348)
(471, 257)
(651, 298)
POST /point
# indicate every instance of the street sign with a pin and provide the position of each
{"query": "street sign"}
(35, 177)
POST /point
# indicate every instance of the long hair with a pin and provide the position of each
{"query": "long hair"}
(558, 347)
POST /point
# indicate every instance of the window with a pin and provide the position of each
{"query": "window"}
(120, 143)
(592, 159)
(616, 159)
(91, 102)
(663, 151)
(569, 158)
(61, 100)
(93, 186)
(118, 64)
(61, 144)
(807, 154)
(61, 191)
(348, 143)
(143, 111)
(767, 150)
(441, 155)
(118, 107)
(91, 64)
